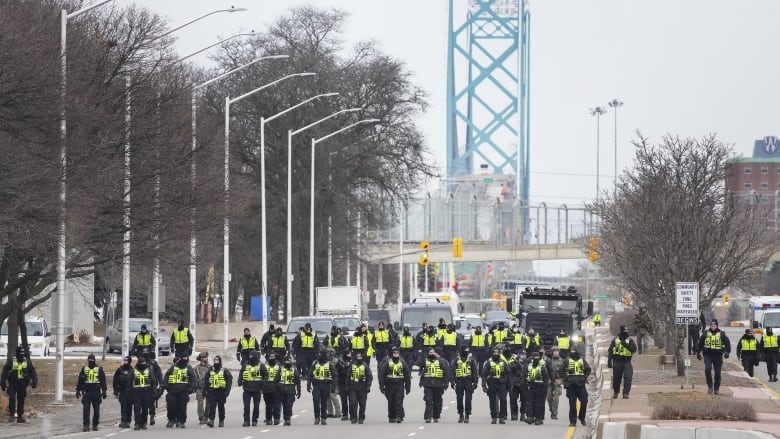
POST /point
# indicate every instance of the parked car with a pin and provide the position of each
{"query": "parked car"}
(38, 337)
(493, 318)
(465, 324)
(114, 337)
(321, 325)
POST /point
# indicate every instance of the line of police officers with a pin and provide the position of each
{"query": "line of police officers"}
(510, 364)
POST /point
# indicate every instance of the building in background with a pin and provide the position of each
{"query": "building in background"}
(756, 179)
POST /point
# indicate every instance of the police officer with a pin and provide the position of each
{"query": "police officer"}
(428, 340)
(91, 389)
(182, 341)
(273, 404)
(371, 346)
(217, 382)
(180, 381)
(157, 391)
(533, 341)
(515, 391)
(450, 343)
(575, 372)
(290, 389)
(480, 346)
(597, 319)
(144, 340)
(246, 344)
(359, 386)
(563, 341)
(144, 385)
(516, 340)
(500, 333)
(619, 359)
(715, 346)
(265, 341)
(495, 376)
(122, 386)
(359, 342)
(383, 340)
(306, 345)
(556, 380)
(336, 341)
(537, 380)
(395, 376)
(16, 376)
(322, 375)
(465, 378)
(251, 379)
(434, 380)
(279, 345)
(201, 370)
(747, 351)
(342, 368)
(408, 346)
(769, 349)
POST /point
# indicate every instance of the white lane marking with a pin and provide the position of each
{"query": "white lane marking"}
(265, 431)
(294, 416)
(412, 434)
(110, 434)
(303, 411)
(452, 402)
(248, 437)
(422, 427)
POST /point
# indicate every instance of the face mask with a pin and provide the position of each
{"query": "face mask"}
(535, 361)
(496, 357)
(431, 331)
(322, 358)
(431, 357)
(464, 355)
(272, 361)
(287, 365)
(278, 333)
(406, 330)
(714, 330)
(182, 363)
(254, 361)
(768, 331)
(91, 363)
(624, 334)
(575, 355)
(142, 367)
(247, 336)
(348, 359)
(181, 326)
(358, 360)
(217, 366)
(334, 333)
(396, 358)
(478, 331)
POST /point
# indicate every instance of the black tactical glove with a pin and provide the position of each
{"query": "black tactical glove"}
(308, 387)
(698, 356)
(105, 395)
(609, 364)
(726, 355)
(78, 394)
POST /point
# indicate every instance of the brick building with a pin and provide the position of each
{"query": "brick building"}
(757, 178)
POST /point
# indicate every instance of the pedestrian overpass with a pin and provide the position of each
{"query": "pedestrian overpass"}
(409, 252)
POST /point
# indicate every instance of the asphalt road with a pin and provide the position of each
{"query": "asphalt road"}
(376, 424)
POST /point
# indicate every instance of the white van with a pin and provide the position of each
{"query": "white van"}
(38, 336)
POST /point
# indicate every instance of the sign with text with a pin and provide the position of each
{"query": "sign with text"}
(687, 309)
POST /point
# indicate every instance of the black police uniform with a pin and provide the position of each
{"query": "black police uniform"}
(465, 378)
(180, 381)
(434, 380)
(537, 380)
(91, 387)
(359, 386)
(290, 389)
(144, 385)
(250, 378)
(322, 375)
(122, 386)
(715, 346)
(395, 379)
(273, 402)
(619, 356)
(575, 372)
(14, 379)
(495, 377)
(217, 383)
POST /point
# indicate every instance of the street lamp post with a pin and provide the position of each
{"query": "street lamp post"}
(193, 175)
(597, 111)
(263, 213)
(615, 104)
(290, 134)
(61, 239)
(314, 143)
(226, 227)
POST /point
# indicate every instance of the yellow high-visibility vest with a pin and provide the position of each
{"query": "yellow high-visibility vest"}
(322, 372)
(144, 340)
(358, 342)
(307, 340)
(382, 336)
(748, 345)
(575, 367)
(433, 369)
(181, 337)
(462, 369)
(141, 379)
(621, 349)
(451, 339)
(407, 342)
(251, 373)
(247, 344)
(178, 375)
(713, 341)
(278, 341)
(357, 373)
(770, 341)
(217, 379)
(91, 374)
(287, 376)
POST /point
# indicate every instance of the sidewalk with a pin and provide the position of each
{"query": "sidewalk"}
(632, 418)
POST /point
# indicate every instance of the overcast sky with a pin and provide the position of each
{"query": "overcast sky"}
(688, 67)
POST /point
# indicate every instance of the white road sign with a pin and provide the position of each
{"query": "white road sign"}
(687, 306)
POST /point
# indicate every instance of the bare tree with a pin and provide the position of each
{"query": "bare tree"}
(671, 220)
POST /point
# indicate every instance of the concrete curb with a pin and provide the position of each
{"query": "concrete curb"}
(623, 430)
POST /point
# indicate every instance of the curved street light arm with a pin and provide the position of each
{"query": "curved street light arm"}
(213, 45)
(299, 104)
(316, 141)
(348, 110)
(231, 10)
(87, 9)
(237, 69)
(249, 93)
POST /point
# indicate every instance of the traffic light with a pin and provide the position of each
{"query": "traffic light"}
(424, 258)
(457, 247)
(593, 249)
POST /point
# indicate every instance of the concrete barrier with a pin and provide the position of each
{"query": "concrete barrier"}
(624, 430)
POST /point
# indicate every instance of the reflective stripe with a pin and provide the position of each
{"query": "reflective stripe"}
(770, 341)
(178, 376)
(450, 339)
(247, 344)
(478, 341)
(20, 368)
(396, 370)
(713, 341)
(278, 341)
(575, 367)
(496, 368)
(433, 369)
(322, 371)
(748, 345)
(181, 337)
(251, 373)
(287, 376)
(429, 340)
(463, 369)
(517, 339)
(500, 335)
(621, 349)
(358, 342)
(307, 340)
(357, 373)
(563, 342)
(333, 341)
(407, 342)
(535, 373)
(382, 336)
(141, 379)
(91, 375)
(144, 339)
(217, 380)
(272, 371)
